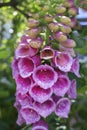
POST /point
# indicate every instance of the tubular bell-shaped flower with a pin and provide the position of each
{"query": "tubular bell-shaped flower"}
(47, 53)
(24, 50)
(75, 67)
(61, 86)
(15, 71)
(26, 67)
(45, 76)
(39, 94)
(45, 108)
(63, 61)
(72, 93)
(40, 125)
(29, 115)
(63, 107)
(23, 84)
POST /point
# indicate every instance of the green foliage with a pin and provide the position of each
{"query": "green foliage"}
(12, 24)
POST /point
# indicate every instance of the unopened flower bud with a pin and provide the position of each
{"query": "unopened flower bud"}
(72, 23)
(35, 16)
(47, 53)
(33, 23)
(60, 9)
(68, 50)
(65, 29)
(68, 3)
(36, 43)
(60, 36)
(69, 43)
(46, 8)
(48, 18)
(65, 20)
(33, 32)
(73, 11)
(53, 26)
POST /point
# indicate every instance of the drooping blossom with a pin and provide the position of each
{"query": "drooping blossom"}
(45, 108)
(63, 107)
(26, 67)
(23, 84)
(45, 76)
(40, 94)
(47, 53)
(40, 125)
(24, 50)
(61, 86)
(63, 61)
(72, 93)
(29, 115)
(75, 67)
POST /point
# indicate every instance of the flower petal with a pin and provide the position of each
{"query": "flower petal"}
(40, 125)
(75, 67)
(45, 76)
(39, 94)
(63, 107)
(36, 59)
(20, 119)
(22, 51)
(45, 108)
(63, 61)
(26, 67)
(61, 86)
(72, 93)
(47, 53)
(15, 71)
(23, 100)
(30, 115)
(23, 84)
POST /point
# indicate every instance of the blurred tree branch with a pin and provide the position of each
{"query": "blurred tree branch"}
(14, 4)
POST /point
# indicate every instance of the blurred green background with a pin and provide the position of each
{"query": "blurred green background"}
(13, 19)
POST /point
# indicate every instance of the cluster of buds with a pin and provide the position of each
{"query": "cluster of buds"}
(42, 61)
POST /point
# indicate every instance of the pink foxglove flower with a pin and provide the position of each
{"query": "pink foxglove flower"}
(37, 60)
(63, 61)
(61, 86)
(15, 71)
(45, 76)
(20, 119)
(45, 108)
(29, 115)
(23, 84)
(23, 100)
(63, 107)
(26, 67)
(75, 67)
(39, 94)
(24, 50)
(72, 93)
(40, 125)
(68, 50)
(47, 53)
(43, 58)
